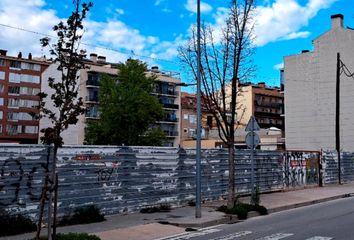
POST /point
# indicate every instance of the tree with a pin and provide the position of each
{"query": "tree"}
(225, 61)
(127, 109)
(63, 107)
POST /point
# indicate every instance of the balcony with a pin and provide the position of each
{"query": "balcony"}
(170, 105)
(91, 98)
(92, 83)
(171, 133)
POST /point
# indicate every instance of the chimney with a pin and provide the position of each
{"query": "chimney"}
(19, 55)
(3, 52)
(155, 69)
(101, 59)
(262, 84)
(337, 21)
(30, 56)
(93, 57)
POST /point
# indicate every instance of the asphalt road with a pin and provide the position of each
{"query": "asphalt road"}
(324, 221)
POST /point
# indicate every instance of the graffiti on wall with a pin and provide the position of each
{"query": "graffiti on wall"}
(20, 181)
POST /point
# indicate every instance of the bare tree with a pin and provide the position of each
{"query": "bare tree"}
(226, 53)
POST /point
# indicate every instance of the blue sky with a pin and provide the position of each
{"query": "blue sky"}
(153, 29)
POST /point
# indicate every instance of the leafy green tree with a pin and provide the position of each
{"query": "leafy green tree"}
(63, 106)
(128, 111)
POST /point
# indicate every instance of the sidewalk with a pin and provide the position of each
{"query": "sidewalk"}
(139, 226)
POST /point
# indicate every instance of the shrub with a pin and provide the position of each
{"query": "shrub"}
(15, 224)
(76, 236)
(162, 208)
(261, 209)
(83, 215)
(242, 209)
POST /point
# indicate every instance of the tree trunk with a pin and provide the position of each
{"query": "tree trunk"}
(231, 190)
(41, 206)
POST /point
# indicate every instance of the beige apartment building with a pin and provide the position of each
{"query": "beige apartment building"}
(166, 90)
(258, 100)
(310, 92)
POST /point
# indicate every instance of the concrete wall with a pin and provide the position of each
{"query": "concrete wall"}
(310, 83)
(120, 179)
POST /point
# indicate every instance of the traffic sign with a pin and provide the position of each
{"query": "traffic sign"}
(252, 140)
(252, 125)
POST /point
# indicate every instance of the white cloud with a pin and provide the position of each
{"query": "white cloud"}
(278, 66)
(284, 18)
(109, 34)
(120, 11)
(28, 15)
(280, 20)
(295, 35)
(191, 6)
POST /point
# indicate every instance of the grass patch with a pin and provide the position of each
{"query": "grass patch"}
(13, 224)
(83, 215)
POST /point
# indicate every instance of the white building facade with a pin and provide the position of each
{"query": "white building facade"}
(310, 92)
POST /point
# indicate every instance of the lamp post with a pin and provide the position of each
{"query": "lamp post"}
(198, 212)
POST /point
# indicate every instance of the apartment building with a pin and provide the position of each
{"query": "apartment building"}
(310, 91)
(265, 103)
(271, 137)
(20, 82)
(165, 89)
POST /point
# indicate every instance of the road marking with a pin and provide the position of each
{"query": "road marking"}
(186, 236)
(276, 236)
(232, 235)
(319, 238)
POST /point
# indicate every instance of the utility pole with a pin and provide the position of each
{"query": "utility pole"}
(338, 118)
(198, 202)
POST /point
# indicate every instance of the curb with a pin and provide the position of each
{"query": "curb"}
(308, 203)
(231, 219)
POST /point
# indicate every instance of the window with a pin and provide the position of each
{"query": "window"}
(13, 102)
(1, 101)
(28, 103)
(210, 121)
(192, 119)
(12, 116)
(2, 62)
(1, 88)
(30, 78)
(0, 128)
(31, 129)
(2, 75)
(30, 66)
(15, 77)
(0, 115)
(29, 91)
(15, 64)
(13, 129)
(14, 90)
(25, 116)
(185, 116)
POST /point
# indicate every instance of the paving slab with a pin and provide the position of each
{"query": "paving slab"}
(141, 232)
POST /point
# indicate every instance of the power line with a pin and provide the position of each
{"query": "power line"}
(91, 45)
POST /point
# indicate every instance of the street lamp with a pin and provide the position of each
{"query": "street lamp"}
(198, 212)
